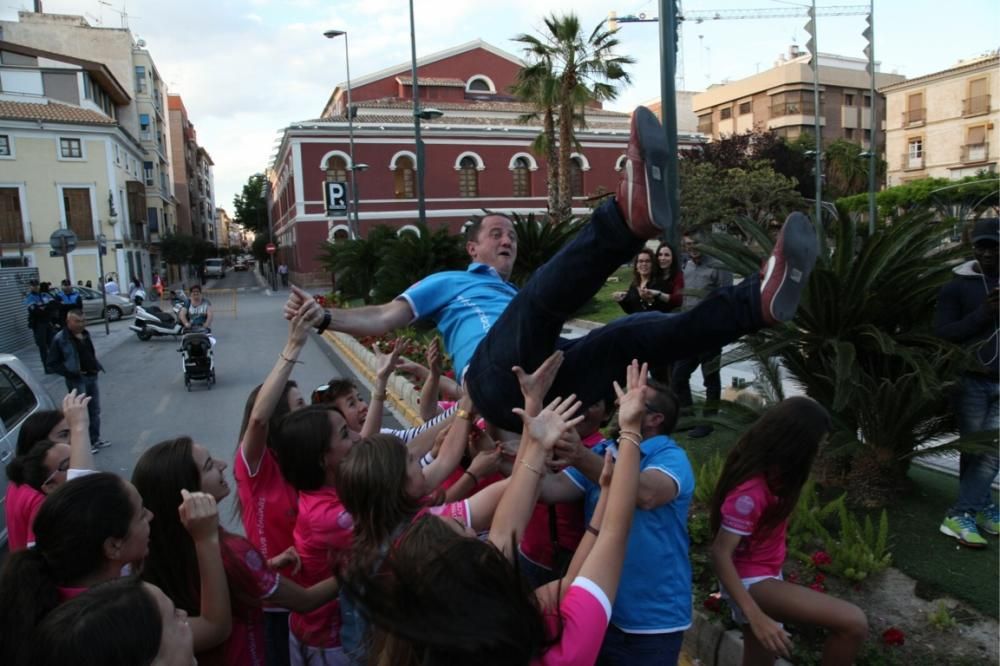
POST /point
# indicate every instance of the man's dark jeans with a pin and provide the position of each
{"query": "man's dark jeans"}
(976, 406)
(528, 330)
(87, 384)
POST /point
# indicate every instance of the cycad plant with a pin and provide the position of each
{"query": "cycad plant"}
(537, 242)
(413, 257)
(862, 345)
(353, 263)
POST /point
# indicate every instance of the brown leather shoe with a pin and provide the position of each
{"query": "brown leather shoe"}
(642, 192)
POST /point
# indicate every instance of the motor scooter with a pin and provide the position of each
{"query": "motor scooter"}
(151, 321)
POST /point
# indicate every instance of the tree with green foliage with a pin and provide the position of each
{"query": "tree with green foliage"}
(713, 195)
(862, 345)
(949, 200)
(585, 69)
(536, 85)
(414, 256)
(847, 169)
(250, 206)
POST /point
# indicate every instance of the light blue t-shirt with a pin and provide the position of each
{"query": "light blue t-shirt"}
(463, 304)
(654, 596)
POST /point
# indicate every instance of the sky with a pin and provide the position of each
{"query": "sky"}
(248, 68)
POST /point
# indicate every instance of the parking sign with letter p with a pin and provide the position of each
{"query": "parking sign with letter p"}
(336, 197)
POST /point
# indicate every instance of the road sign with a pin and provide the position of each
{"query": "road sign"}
(270, 248)
(336, 197)
(63, 240)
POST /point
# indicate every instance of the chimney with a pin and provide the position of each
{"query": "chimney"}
(793, 51)
(38, 7)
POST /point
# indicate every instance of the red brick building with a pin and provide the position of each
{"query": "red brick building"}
(477, 154)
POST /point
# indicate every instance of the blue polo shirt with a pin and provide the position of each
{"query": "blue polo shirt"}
(463, 304)
(654, 596)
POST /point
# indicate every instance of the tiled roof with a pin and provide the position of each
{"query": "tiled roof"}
(51, 112)
(364, 119)
(474, 105)
(432, 81)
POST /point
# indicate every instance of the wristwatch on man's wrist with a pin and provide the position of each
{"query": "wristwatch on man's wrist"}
(325, 324)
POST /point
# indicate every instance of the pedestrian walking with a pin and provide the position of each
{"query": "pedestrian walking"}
(111, 287)
(72, 355)
(37, 301)
(967, 315)
(283, 272)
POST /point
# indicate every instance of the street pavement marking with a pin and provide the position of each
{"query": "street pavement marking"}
(162, 407)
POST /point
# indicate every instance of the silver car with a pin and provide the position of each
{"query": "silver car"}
(93, 308)
(21, 395)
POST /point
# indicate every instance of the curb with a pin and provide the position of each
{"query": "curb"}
(708, 643)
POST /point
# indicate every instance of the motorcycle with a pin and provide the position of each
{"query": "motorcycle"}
(151, 321)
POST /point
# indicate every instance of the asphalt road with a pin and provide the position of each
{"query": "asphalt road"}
(143, 398)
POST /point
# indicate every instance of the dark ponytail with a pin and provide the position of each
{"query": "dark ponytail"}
(29, 468)
(35, 428)
(70, 530)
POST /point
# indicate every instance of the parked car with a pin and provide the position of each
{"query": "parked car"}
(21, 395)
(215, 268)
(93, 307)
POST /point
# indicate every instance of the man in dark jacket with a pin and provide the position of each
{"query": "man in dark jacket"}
(967, 315)
(72, 355)
(69, 299)
(37, 301)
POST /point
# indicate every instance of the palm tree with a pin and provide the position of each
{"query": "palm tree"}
(535, 84)
(354, 263)
(537, 243)
(585, 70)
(414, 256)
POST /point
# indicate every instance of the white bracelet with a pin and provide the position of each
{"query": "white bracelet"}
(427, 459)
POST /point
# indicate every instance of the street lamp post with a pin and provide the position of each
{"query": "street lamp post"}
(418, 115)
(353, 223)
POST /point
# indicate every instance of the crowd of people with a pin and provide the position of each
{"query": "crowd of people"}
(508, 528)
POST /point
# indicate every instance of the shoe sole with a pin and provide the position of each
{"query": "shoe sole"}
(653, 142)
(799, 250)
(958, 537)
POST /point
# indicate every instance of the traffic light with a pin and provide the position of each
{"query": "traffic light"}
(811, 42)
(869, 45)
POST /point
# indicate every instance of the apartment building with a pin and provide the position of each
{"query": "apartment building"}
(194, 185)
(143, 117)
(68, 162)
(782, 99)
(203, 197)
(944, 124)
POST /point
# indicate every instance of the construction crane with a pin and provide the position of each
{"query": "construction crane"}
(703, 15)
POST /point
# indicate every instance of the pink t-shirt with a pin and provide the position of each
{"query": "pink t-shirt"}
(758, 554)
(246, 569)
(585, 612)
(459, 511)
(324, 531)
(270, 504)
(21, 505)
(536, 544)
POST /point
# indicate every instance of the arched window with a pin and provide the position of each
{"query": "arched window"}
(336, 169)
(576, 177)
(408, 229)
(403, 177)
(468, 178)
(340, 233)
(522, 178)
(478, 85)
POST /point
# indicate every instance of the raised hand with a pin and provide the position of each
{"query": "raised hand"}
(632, 400)
(551, 422)
(569, 449)
(386, 363)
(296, 297)
(535, 386)
(301, 324)
(607, 471)
(433, 357)
(74, 408)
(199, 514)
(485, 463)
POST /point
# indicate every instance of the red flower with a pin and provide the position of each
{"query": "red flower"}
(820, 577)
(893, 636)
(821, 558)
(713, 603)
(817, 586)
(793, 577)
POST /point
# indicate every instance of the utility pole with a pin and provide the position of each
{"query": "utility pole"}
(668, 107)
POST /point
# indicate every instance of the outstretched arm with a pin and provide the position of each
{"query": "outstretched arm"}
(369, 320)
(255, 438)
(386, 364)
(74, 408)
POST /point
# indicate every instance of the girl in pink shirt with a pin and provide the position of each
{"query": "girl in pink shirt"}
(444, 597)
(42, 458)
(309, 445)
(757, 491)
(162, 472)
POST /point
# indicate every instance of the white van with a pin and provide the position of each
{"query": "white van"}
(215, 268)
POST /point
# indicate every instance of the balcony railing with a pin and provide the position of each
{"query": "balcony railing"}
(975, 152)
(973, 106)
(913, 116)
(911, 162)
(793, 109)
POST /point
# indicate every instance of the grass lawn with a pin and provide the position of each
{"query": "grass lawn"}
(937, 562)
(601, 308)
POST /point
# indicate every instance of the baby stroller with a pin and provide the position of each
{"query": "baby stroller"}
(198, 359)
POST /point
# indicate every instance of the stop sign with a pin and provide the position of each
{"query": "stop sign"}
(271, 248)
